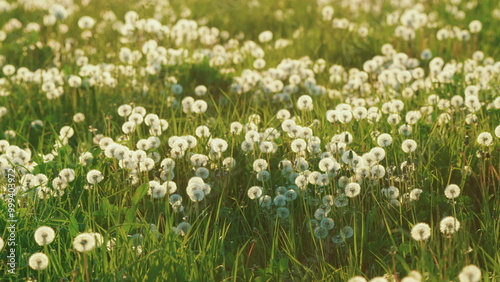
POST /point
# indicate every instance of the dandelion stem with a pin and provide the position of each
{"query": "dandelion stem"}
(85, 268)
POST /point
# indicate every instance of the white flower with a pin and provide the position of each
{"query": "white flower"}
(68, 174)
(449, 225)
(475, 26)
(265, 36)
(74, 81)
(235, 128)
(415, 194)
(136, 118)
(156, 190)
(85, 158)
(283, 114)
(378, 153)
(299, 145)
(218, 145)
(391, 192)
(254, 192)
(86, 22)
(44, 235)
(66, 132)
(202, 131)
(38, 261)
(384, 140)
(94, 176)
(199, 107)
(379, 279)
(59, 183)
(485, 139)
(260, 165)
(196, 195)
(84, 242)
(452, 191)
(128, 127)
(151, 119)
(105, 142)
(357, 279)
(305, 102)
(352, 190)
(124, 110)
(421, 232)
(409, 146)
(200, 90)
(377, 171)
(470, 273)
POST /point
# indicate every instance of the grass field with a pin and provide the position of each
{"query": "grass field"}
(250, 140)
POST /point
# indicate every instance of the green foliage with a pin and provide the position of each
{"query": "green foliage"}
(230, 236)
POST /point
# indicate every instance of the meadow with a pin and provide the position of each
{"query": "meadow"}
(169, 140)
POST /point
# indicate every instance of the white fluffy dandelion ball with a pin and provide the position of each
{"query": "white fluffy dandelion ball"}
(497, 131)
(38, 261)
(449, 225)
(409, 146)
(452, 191)
(44, 235)
(485, 139)
(384, 140)
(84, 242)
(254, 192)
(265, 36)
(470, 273)
(94, 176)
(352, 190)
(421, 231)
(357, 279)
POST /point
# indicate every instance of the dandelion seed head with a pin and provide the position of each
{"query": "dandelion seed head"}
(44, 235)
(352, 189)
(485, 139)
(265, 201)
(320, 232)
(449, 225)
(327, 223)
(421, 232)
(282, 212)
(84, 242)
(409, 146)
(357, 279)
(452, 191)
(254, 192)
(182, 228)
(384, 140)
(263, 175)
(415, 194)
(38, 261)
(470, 273)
